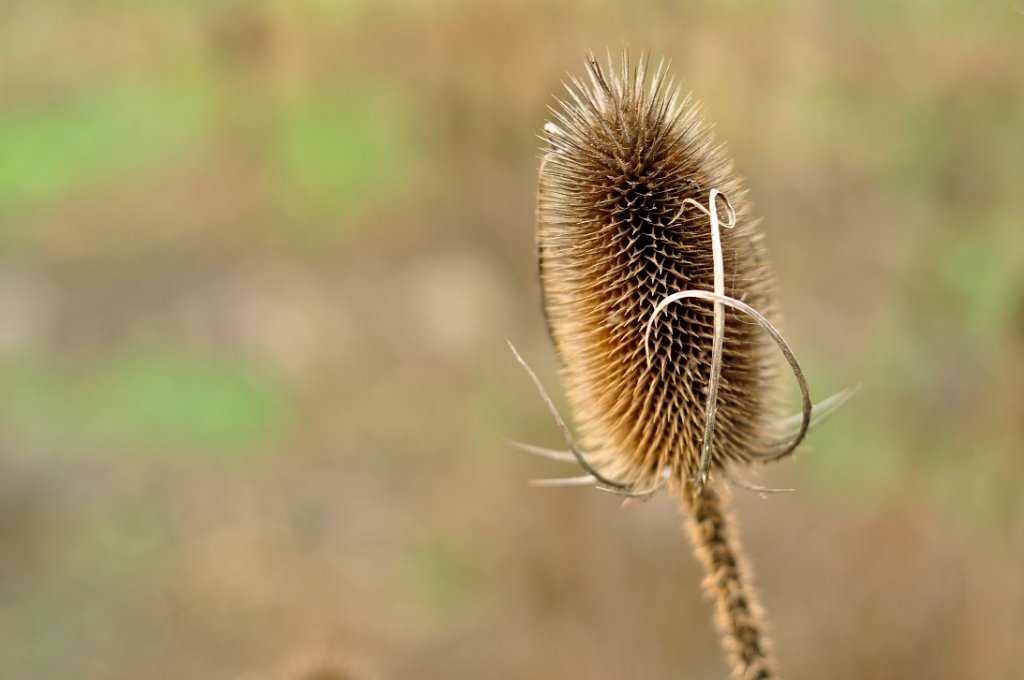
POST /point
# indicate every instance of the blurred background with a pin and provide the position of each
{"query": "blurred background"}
(258, 262)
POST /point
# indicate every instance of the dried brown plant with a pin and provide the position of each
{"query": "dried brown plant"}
(324, 663)
(660, 303)
(321, 666)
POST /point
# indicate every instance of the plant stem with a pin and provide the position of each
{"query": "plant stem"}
(738, 615)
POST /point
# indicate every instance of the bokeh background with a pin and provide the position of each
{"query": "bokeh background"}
(258, 262)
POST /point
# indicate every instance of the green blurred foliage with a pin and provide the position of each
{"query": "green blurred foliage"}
(333, 150)
(52, 151)
(140, 400)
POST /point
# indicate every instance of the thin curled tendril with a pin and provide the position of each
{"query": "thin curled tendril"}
(721, 300)
(564, 429)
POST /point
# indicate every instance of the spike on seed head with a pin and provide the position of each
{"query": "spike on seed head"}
(625, 160)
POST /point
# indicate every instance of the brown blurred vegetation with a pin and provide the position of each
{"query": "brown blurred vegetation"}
(257, 264)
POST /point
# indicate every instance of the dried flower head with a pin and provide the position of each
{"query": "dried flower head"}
(625, 222)
(659, 301)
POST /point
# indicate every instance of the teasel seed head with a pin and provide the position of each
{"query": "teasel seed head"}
(626, 161)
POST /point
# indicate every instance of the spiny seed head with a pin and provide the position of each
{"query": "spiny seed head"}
(615, 238)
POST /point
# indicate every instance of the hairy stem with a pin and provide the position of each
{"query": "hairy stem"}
(738, 614)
